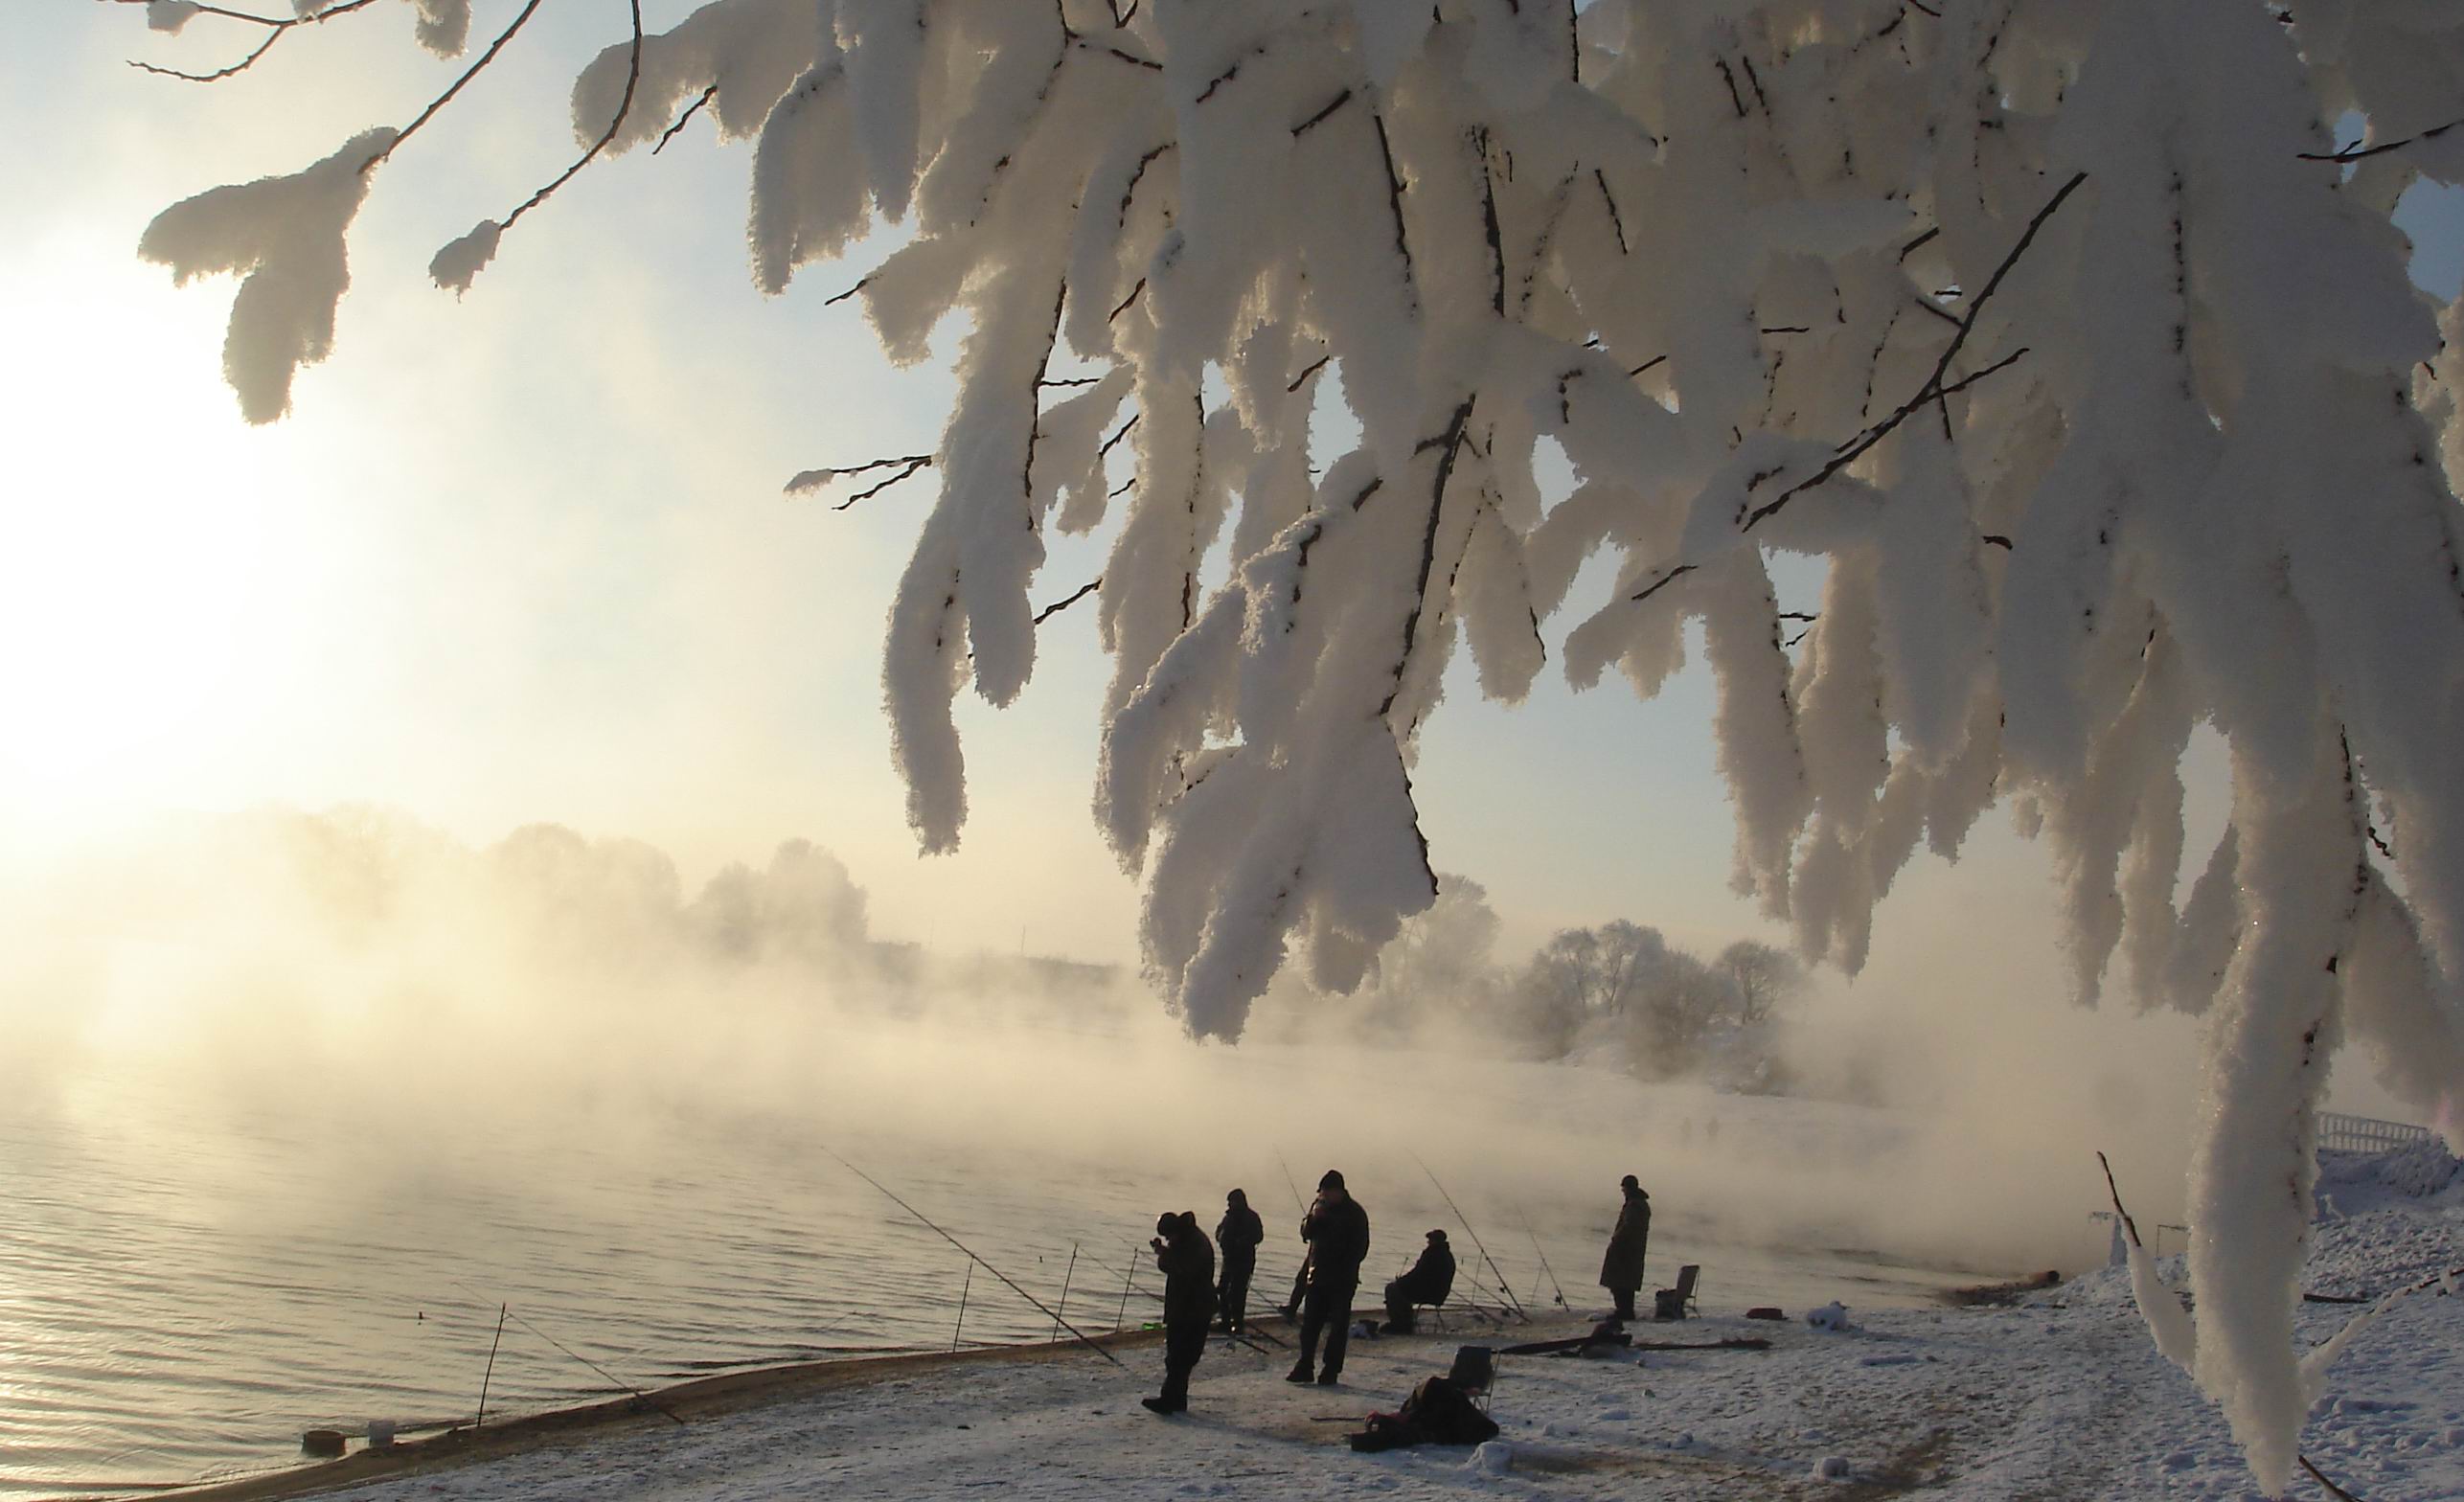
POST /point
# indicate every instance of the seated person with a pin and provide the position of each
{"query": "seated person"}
(1430, 1280)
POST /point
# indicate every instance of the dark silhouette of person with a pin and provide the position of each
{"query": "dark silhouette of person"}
(1430, 1280)
(1237, 1236)
(1336, 1230)
(1621, 1270)
(1188, 1264)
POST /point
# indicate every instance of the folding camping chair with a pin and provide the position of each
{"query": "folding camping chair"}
(1675, 1303)
(1476, 1371)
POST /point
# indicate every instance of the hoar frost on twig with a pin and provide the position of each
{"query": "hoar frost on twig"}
(2062, 329)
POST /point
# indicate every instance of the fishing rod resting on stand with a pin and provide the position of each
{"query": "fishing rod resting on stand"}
(480, 1416)
(1513, 1303)
(1006, 1279)
(507, 1310)
(1543, 1259)
(1065, 1276)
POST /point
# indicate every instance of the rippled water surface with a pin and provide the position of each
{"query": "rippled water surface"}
(188, 1280)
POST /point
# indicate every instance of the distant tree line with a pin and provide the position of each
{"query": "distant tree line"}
(1618, 994)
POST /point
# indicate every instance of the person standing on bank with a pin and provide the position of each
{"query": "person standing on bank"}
(1237, 1235)
(1621, 1270)
(1188, 1264)
(1430, 1280)
(1336, 1230)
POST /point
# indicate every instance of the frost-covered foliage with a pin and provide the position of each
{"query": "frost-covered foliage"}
(284, 238)
(2060, 328)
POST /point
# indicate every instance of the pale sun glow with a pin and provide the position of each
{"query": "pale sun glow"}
(151, 582)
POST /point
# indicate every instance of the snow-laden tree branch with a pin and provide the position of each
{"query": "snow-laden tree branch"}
(2061, 330)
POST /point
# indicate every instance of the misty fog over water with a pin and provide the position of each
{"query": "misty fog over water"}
(291, 1104)
(194, 1282)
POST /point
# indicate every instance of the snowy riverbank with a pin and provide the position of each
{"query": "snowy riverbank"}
(2062, 1397)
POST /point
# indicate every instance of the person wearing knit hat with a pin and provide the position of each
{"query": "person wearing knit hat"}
(1430, 1280)
(1188, 1266)
(1237, 1235)
(1336, 1230)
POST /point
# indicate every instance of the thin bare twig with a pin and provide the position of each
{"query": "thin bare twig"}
(907, 465)
(472, 72)
(2319, 1477)
(690, 110)
(1449, 444)
(1314, 120)
(1059, 606)
(623, 107)
(1663, 582)
(277, 27)
(1933, 389)
(2127, 1224)
(2356, 151)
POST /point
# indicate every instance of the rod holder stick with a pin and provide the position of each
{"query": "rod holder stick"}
(1007, 1281)
(1062, 1307)
(476, 1419)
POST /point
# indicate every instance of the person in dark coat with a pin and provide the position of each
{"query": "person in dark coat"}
(1621, 1270)
(1188, 1264)
(1430, 1280)
(1237, 1235)
(1336, 1230)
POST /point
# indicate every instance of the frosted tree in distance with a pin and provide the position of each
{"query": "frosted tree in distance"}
(2064, 331)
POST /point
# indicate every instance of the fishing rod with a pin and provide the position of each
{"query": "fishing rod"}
(996, 1272)
(1544, 1256)
(1242, 1336)
(508, 1309)
(1290, 1182)
(1502, 1286)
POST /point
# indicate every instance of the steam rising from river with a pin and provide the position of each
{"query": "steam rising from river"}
(360, 968)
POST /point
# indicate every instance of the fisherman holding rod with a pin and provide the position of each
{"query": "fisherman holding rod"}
(1336, 1230)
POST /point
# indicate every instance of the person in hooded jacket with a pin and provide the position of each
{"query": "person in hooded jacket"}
(1336, 1230)
(1621, 1270)
(1430, 1280)
(1188, 1264)
(1237, 1235)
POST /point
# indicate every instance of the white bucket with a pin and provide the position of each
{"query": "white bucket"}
(380, 1433)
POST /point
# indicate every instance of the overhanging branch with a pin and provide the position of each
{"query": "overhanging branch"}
(1933, 388)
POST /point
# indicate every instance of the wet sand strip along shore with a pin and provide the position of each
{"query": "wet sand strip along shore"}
(700, 1397)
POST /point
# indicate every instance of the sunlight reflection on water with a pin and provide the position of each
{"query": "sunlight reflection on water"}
(188, 1282)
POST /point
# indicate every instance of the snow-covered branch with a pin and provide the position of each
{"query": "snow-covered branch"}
(1733, 259)
(442, 34)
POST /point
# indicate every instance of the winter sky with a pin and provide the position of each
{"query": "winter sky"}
(524, 556)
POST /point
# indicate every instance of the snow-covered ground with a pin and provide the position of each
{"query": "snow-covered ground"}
(2062, 1397)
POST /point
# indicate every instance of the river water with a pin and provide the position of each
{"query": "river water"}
(190, 1277)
